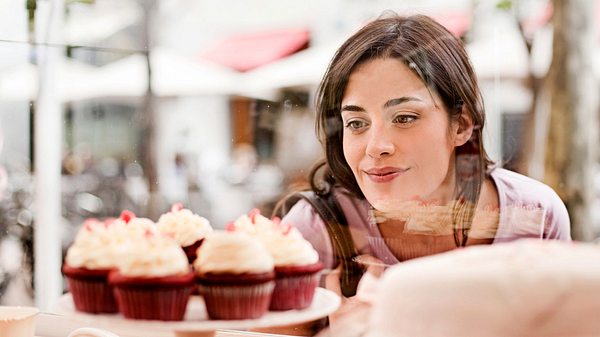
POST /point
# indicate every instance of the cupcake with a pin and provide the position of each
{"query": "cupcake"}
(187, 228)
(235, 276)
(153, 280)
(296, 262)
(89, 260)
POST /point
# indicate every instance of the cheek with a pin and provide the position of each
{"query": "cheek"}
(434, 154)
(351, 152)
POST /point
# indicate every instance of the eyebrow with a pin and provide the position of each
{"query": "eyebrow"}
(398, 101)
(390, 103)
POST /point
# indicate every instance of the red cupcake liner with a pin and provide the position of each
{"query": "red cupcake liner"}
(159, 298)
(90, 290)
(230, 279)
(295, 287)
(237, 301)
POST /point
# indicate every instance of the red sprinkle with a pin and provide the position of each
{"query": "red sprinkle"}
(286, 228)
(91, 220)
(276, 220)
(88, 223)
(253, 213)
(230, 227)
(177, 207)
(127, 215)
(108, 221)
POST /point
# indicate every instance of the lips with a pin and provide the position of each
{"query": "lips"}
(384, 174)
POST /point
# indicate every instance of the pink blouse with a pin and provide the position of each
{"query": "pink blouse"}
(528, 209)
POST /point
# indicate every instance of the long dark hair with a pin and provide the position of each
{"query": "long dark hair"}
(440, 60)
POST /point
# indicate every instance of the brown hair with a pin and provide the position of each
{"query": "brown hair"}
(440, 60)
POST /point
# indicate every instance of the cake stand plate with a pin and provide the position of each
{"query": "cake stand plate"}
(196, 322)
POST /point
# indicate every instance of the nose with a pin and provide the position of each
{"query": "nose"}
(380, 144)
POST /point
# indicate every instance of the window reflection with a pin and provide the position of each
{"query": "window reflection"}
(221, 141)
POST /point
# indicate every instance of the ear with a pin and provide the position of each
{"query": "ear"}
(463, 128)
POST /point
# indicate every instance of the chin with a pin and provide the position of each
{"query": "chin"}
(391, 205)
(386, 201)
(383, 205)
(393, 200)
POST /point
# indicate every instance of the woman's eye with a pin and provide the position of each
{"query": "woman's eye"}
(355, 124)
(404, 119)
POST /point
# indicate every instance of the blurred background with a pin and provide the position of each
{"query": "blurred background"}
(108, 105)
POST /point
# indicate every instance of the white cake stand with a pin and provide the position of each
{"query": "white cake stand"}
(195, 324)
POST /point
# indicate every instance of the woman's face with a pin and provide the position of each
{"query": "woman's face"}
(397, 140)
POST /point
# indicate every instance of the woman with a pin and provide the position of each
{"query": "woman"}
(400, 115)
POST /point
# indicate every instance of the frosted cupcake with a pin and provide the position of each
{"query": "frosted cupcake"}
(235, 276)
(297, 263)
(297, 267)
(93, 254)
(187, 228)
(153, 280)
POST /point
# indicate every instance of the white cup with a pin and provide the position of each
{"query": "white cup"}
(17, 321)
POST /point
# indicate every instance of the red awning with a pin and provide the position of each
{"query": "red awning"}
(249, 51)
(537, 19)
(456, 22)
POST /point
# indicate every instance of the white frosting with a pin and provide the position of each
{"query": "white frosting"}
(232, 252)
(140, 226)
(244, 224)
(253, 223)
(264, 224)
(284, 242)
(184, 226)
(95, 247)
(134, 229)
(288, 247)
(153, 256)
(524, 288)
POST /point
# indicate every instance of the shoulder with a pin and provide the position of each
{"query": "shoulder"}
(352, 206)
(304, 217)
(522, 189)
(517, 191)
(303, 212)
(518, 181)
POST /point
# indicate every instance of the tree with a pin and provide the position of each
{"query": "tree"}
(572, 138)
(146, 117)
